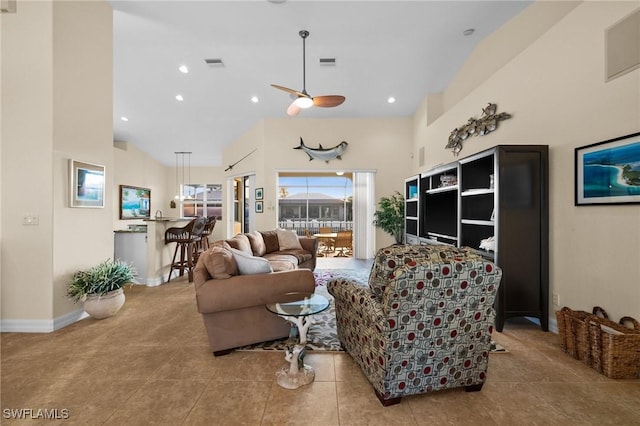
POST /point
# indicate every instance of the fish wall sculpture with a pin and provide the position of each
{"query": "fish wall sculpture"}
(486, 124)
(323, 154)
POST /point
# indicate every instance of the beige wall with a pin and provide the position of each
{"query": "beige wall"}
(27, 96)
(56, 72)
(382, 145)
(556, 91)
(135, 168)
(496, 49)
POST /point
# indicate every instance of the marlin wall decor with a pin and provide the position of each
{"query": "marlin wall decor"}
(487, 123)
(323, 154)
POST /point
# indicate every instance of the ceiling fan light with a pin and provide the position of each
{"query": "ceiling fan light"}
(303, 102)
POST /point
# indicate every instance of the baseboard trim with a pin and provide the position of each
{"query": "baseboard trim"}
(154, 282)
(553, 323)
(41, 326)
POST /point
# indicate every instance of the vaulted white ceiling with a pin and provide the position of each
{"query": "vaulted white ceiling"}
(404, 49)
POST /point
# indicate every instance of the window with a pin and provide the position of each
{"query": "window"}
(305, 199)
(202, 200)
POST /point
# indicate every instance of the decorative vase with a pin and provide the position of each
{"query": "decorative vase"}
(104, 306)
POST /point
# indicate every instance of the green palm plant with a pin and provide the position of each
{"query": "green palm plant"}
(390, 216)
(108, 276)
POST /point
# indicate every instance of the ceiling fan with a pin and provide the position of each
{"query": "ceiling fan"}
(303, 100)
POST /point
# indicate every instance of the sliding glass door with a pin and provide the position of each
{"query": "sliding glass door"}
(310, 201)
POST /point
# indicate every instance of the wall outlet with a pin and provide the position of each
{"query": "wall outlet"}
(556, 299)
(30, 219)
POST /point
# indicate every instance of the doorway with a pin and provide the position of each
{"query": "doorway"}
(239, 196)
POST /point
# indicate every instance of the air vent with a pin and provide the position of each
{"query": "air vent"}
(327, 61)
(622, 46)
(214, 61)
(8, 6)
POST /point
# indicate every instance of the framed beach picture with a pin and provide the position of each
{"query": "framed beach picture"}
(608, 172)
(86, 186)
(135, 202)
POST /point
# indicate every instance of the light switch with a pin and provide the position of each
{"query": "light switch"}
(30, 219)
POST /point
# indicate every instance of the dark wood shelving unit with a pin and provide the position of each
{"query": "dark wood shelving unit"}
(502, 193)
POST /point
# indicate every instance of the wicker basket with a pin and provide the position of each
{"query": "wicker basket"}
(562, 330)
(573, 327)
(615, 349)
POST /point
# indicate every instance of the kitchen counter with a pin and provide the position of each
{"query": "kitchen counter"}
(147, 250)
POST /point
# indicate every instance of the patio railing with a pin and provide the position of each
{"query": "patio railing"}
(314, 225)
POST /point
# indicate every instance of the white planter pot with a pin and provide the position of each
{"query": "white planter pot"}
(100, 307)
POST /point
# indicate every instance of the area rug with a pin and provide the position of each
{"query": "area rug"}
(322, 335)
(323, 276)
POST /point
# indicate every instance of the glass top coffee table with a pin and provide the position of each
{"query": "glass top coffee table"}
(297, 308)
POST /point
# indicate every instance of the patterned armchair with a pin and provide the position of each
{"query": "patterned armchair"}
(424, 321)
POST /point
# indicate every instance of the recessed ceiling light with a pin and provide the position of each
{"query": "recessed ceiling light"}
(124, 119)
(255, 99)
(391, 99)
(180, 98)
(468, 32)
(183, 69)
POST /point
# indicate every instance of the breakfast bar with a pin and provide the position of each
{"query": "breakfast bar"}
(144, 247)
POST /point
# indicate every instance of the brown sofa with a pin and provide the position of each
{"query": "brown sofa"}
(233, 305)
(268, 244)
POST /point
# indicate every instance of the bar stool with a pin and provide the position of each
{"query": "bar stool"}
(186, 239)
(208, 229)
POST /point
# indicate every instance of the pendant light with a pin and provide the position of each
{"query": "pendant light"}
(180, 161)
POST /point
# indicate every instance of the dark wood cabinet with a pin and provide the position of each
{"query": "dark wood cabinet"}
(499, 194)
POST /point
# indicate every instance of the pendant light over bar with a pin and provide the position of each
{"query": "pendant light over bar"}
(181, 156)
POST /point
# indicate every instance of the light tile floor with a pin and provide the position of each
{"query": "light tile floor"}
(150, 364)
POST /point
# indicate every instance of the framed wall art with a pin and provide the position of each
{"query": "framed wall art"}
(259, 207)
(86, 186)
(259, 194)
(135, 202)
(608, 172)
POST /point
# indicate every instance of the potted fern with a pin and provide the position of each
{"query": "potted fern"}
(390, 216)
(101, 287)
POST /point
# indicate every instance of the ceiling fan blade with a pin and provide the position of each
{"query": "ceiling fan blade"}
(293, 92)
(293, 109)
(328, 101)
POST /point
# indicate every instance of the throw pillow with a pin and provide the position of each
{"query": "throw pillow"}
(241, 242)
(257, 243)
(220, 263)
(250, 265)
(288, 240)
(270, 241)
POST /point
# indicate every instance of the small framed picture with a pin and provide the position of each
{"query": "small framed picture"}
(259, 194)
(259, 207)
(135, 202)
(86, 184)
(608, 172)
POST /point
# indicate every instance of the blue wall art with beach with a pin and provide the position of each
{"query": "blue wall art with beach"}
(612, 172)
